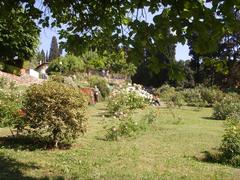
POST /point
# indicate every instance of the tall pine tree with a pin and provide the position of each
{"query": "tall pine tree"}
(54, 50)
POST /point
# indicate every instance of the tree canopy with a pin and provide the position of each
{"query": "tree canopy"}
(135, 25)
(18, 37)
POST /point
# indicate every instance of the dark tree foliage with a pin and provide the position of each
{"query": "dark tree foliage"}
(54, 50)
(189, 81)
(60, 51)
(163, 69)
(18, 37)
(220, 67)
(196, 65)
(229, 47)
(228, 58)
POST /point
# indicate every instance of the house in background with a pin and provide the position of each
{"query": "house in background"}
(42, 68)
(33, 73)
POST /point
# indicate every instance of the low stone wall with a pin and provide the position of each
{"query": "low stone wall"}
(24, 79)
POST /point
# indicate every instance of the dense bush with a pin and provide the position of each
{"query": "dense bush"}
(151, 117)
(57, 78)
(101, 84)
(127, 128)
(54, 112)
(199, 96)
(166, 92)
(227, 106)
(10, 105)
(177, 99)
(171, 95)
(67, 80)
(230, 146)
(116, 62)
(211, 95)
(12, 69)
(193, 97)
(93, 60)
(69, 64)
(11, 98)
(122, 102)
(117, 106)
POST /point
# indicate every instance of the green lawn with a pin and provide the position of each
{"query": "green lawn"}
(172, 148)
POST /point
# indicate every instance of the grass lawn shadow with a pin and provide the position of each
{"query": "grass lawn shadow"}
(210, 118)
(101, 138)
(12, 169)
(27, 143)
(210, 157)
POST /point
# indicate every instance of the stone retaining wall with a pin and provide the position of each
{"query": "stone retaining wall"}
(24, 79)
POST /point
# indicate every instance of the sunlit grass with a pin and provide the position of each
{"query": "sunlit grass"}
(169, 149)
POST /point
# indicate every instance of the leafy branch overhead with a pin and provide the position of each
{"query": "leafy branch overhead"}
(135, 25)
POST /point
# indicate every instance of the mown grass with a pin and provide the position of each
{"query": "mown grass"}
(172, 148)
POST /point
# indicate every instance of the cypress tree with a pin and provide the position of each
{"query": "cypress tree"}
(46, 57)
(54, 50)
(43, 58)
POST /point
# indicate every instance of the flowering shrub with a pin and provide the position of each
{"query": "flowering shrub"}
(226, 107)
(151, 116)
(55, 112)
(121, 103)
(230, 146)
(126, 128)
(10, 105)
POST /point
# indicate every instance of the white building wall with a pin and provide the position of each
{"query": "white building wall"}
(34, 73)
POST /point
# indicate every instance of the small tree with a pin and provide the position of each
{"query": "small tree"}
(54, 112)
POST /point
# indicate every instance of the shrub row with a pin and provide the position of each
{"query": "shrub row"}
(199, 96)
(226, 107)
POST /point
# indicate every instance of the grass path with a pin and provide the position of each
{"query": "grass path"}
(167, 150)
